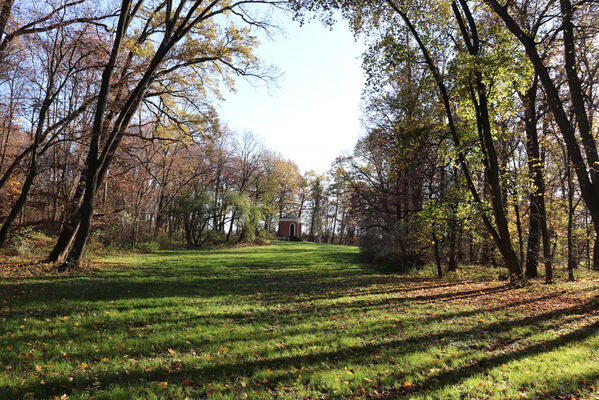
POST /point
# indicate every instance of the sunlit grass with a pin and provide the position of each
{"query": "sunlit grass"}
(292, 320)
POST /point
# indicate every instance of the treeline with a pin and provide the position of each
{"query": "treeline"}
(480, 144)
(108, 129)
(108, 125)
(481, 133)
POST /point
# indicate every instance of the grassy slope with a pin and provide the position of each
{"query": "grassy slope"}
(293, 320)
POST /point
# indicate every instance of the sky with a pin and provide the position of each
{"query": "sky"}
(312, 115)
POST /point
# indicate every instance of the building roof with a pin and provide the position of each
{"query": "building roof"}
(289, 217)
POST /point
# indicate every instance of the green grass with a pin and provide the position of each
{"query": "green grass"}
(291, 320)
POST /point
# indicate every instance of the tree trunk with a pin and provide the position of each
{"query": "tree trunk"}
(589, 186)
(437, 255)
(32, 171)
(535, 171)
(233, 216)
(452, 265)
(159, 212)
(18, 206)
(571, 260)
(501, 234)
(93, 164)
(4, 16)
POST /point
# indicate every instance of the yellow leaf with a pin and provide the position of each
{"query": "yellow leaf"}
(163, 385)
(38, 367)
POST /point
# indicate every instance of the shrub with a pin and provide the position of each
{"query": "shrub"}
(166, 242)
(148, 247)
(216, 238)
(260, 241)
(27, 240)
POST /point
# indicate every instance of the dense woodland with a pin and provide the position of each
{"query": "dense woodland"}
(479, 146)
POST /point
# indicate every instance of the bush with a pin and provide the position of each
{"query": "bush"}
(148, 247)
(166, 242)
(216, 238)
(260, 241)
(387, 258)
(27, 240)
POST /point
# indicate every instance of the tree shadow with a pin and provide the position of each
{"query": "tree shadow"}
(307, 295)
(177, 372)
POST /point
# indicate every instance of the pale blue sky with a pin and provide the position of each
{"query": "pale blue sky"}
(313, 114)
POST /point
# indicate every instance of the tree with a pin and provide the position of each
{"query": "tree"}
(580, 100)
(185, 27)
(62, 56)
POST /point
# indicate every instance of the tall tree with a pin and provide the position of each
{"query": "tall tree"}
(185, 28)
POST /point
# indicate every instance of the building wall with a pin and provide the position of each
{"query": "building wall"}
(284, 228)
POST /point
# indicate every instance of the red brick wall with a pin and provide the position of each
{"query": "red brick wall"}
(284, 228)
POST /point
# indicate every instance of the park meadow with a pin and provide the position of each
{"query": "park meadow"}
(292, 321)
(299, 199)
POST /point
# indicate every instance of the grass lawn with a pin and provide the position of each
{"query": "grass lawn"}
(291, 320)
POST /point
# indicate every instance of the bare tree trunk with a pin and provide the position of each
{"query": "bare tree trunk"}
(452, 265)
(233, 216)
(535, 171)
(4, 16)
(32, 170)
(86, 210)
(437, 255)
(571, 258)
(588, 175)
(18, 206)
(159, 212)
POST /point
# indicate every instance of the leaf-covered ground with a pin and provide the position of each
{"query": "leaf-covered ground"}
(291, 320)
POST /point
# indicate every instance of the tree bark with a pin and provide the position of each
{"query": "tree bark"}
(535, 171)
(437, 255)
(452, 265)
(86, 209)
(571, 258)
(4, 16)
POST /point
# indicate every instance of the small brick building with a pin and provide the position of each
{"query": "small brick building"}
(289, 228)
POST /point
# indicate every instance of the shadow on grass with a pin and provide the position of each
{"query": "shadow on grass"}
(295, 281)
(177, 372)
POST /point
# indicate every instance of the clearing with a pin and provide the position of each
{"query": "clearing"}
(292, 320)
